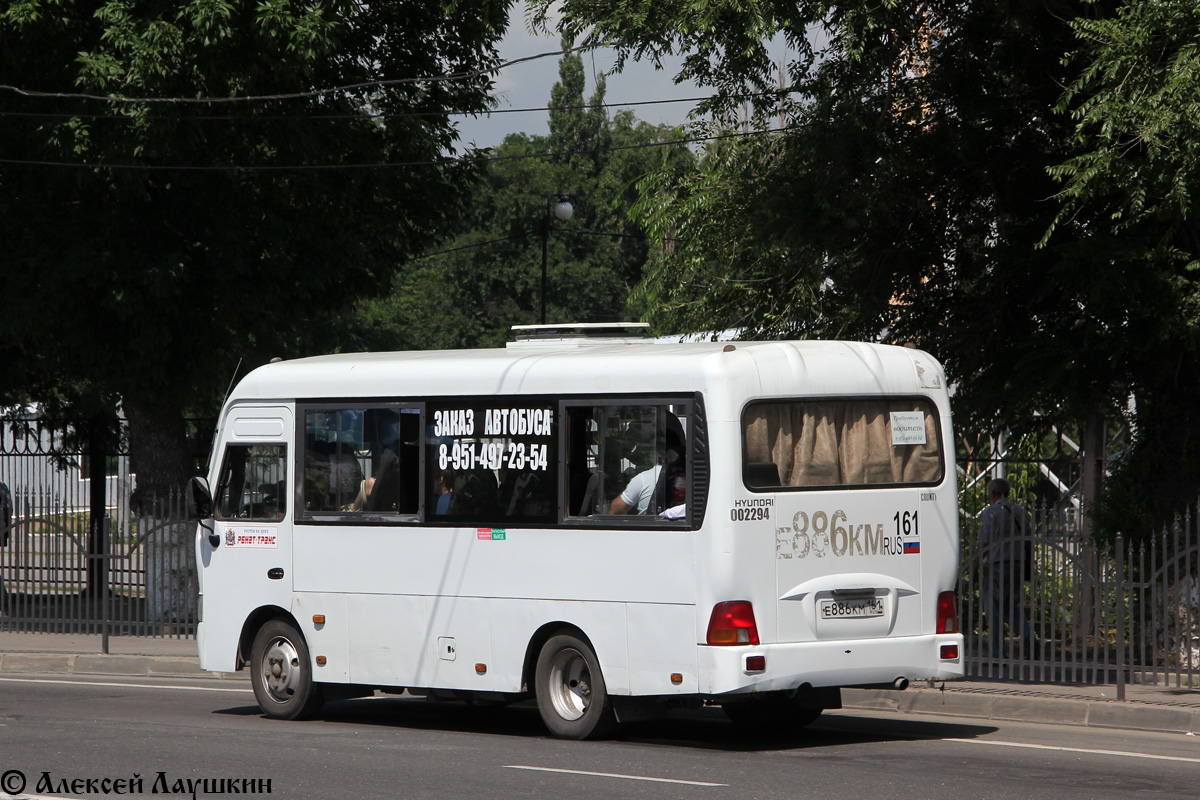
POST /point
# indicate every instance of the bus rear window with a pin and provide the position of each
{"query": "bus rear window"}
(834, 443)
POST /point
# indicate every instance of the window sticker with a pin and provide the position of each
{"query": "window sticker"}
(908, 427)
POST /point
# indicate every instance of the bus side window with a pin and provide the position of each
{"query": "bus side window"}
(491, 461)
(361, 460)
(627, 460)
(253, 482)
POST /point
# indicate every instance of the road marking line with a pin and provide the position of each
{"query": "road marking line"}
(1127, 753)
(123, 685)
(613, 775)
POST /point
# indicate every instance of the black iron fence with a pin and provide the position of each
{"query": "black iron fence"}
(77, 560)
(141, 583)
(1100, 614)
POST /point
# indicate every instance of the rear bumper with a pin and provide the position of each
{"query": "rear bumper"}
(849, 662)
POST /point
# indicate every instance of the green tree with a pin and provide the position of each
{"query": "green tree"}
(907, 196)
(488, 275)
(184, 187)
(1132, 187)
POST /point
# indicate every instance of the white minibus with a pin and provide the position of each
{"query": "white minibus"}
(610, 525)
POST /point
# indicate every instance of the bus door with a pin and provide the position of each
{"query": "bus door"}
(847, 476)
(251, 563)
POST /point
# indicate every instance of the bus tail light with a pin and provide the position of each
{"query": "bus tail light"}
(732, 623)
(947, 613)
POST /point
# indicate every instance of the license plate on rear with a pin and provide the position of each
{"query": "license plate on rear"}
(842, 609)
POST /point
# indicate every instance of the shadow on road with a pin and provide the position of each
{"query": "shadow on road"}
(706, 728)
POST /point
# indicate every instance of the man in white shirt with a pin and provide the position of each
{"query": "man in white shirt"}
(638, 493)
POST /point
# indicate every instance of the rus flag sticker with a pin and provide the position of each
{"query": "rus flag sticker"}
(912, 547)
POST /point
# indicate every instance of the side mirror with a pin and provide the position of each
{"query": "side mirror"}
(202, 508)
(202, 503)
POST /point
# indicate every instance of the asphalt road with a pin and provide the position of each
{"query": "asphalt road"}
(57, 733)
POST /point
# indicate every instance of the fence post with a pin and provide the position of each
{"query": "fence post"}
(107, 601)
(1122, 604)
(97, 547)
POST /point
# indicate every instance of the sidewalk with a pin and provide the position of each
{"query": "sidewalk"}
(1146, 708)
(80, 654)
(1149, 708)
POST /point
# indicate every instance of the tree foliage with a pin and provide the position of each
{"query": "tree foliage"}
(161, 227)
(487, 275)
(1131, 184)
(904, 182)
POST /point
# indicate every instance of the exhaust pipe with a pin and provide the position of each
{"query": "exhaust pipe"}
(900, 684)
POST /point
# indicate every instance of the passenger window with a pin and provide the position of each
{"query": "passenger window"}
(361, 461)
(629, 460)
(492, 461)
(253, 483)
(840, 443)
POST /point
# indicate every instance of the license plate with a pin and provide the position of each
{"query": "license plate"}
(843, 609)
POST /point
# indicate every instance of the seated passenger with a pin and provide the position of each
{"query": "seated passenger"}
(360, 500)
(443, 490)
(662, 489)
(641, 491)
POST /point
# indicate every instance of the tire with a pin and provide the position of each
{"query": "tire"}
(570, 690)
(281, 673)
(776, 714)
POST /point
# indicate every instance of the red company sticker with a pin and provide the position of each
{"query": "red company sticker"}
(253, 538)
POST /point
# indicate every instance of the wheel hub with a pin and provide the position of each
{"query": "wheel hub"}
(281, 669)
(570, 685)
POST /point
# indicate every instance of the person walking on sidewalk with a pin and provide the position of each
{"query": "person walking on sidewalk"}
(1002, 555)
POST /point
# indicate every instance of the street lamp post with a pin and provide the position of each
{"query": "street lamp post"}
(561, 206)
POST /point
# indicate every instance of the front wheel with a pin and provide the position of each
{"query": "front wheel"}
(571, 695)
(281, 673)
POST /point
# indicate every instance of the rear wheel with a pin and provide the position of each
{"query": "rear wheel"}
(570, 690)
(281, 673)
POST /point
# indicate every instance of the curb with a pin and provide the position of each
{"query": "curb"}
(1029, 707)
(110, 665)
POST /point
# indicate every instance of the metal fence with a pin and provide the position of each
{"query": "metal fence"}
(140, 582)
(67, 569)
(1099, 614)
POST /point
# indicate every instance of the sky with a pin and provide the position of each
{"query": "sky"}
(527, 85)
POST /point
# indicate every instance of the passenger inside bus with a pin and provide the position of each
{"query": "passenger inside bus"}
(444, 489)
(661, 489)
